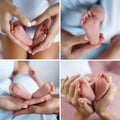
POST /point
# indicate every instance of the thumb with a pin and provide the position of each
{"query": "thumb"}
(78, 40)
(23, 19)
(2, 37)
(49, 12)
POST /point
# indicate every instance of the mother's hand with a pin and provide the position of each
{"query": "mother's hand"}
(10, 103)
(53, 12)
(49, 107)
(75, 46)
(7, 11)
(72, 96)
(102, 105)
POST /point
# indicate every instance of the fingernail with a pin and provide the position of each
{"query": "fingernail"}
(33, 53)
(29, 24)
(86, 38)
(24, 106)
(33, 22)
(30, 52)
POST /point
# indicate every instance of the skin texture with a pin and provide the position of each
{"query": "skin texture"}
(48, 45)
(85, 89)
(19, 33)
(91, 21)
(94, 87)
(44, 90)
(72, 96)
(113, 51)
(53, 12)
(75, 46)
(7, 11)
(82, 109)
(19, 91)
(49, 107)
(41, 32)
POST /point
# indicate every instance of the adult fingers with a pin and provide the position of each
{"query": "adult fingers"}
(62, 84)
(86, 108)
(24, 20)
(24, 111)
(3, 37)
(82, 50)
(75, 40)
(110, 95)
(35, 101)
(72, 90)
(54, 29)
(75, 96)
(6, 29)
(68, 83)
(51, 11)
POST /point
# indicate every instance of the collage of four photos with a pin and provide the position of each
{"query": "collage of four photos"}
(59, 60)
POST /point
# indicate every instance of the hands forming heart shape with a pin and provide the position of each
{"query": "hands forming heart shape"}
(18, 31)
(94, 86)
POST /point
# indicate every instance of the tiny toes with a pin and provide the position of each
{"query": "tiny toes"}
(89, 13)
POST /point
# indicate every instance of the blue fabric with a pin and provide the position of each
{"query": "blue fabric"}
(6, 68)
(96, 52)
(72, 11)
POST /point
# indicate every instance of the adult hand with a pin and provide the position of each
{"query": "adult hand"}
(10, 103)
(53, 12)
(102, 105)
(75, 46)
(49, 107)
(73, 96)
(7, 11)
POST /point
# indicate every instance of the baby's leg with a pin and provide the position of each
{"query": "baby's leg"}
(44, 90)
(35, 77)
(101, 85)
(18, 91)
(85, 89)
(91, 21)
(18, 31)
(41, 32)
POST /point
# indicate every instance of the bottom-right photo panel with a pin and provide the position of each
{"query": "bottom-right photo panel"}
(90, 90)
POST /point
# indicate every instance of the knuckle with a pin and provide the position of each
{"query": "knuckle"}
(72, 85)
(66, 85)
(15, 10)
(36, 110)
(68, 99)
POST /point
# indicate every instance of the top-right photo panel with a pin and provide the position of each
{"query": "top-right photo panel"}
(90, 29)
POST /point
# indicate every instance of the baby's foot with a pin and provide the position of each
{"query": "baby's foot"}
(18, 91)
(101, 85)
(41, 32)
(85, 89)
(44, 90)
(18, 31)
(91, 24)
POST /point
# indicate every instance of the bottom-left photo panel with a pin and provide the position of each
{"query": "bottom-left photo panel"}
(29, 90)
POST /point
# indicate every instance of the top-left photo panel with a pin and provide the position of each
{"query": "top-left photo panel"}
(29, 29)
